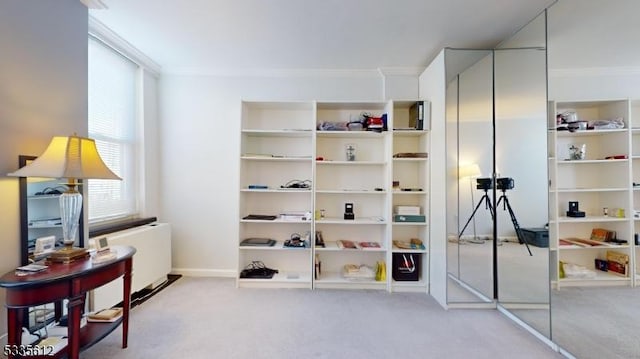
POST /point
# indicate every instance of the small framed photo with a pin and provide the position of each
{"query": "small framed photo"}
(45, 245)
(102, 244)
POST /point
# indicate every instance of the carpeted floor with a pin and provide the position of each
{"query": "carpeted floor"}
(210, 318)
(594, 322)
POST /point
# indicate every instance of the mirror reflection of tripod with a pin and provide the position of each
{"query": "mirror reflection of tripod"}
(503, 184)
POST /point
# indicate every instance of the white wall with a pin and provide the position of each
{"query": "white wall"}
(43, 92)
(200, 137)
(593, 51)
(433, 87)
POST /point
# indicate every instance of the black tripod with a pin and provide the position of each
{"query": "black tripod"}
(506, 206)
(484, 199)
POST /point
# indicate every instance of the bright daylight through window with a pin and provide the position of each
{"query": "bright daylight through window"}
(112, 123)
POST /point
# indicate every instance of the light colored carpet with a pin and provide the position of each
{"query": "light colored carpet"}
(210, 318)
(593, 322)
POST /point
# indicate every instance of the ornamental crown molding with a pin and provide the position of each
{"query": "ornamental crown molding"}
(103, 33)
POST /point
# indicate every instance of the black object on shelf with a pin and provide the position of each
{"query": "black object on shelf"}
(348, 211)
(406, 267)
(258, 242)
(257, 270)
(262, 217)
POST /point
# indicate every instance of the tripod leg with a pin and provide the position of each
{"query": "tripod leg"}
(473, 214)
(516, 226)
(491, 208)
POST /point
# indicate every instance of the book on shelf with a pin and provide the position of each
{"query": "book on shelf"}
(318, 267)
(413, 243)
(258, 242)
(369, 245)
(411, 155)
(346, 244)
(602, 235)
(51, 345)
(105, 315)
(618, 257)
(319, 239)
(617, 268)
(582, 242)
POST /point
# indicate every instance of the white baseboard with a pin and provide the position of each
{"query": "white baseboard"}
(195, 272)
(530, 329)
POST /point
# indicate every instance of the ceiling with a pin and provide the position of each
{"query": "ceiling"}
(247, 35)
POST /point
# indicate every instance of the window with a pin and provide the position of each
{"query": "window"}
(112, 124)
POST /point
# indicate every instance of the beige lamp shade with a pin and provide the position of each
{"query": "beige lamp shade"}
(471, 171)
(68, 157)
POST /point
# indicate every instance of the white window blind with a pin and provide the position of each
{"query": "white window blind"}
(112, 123)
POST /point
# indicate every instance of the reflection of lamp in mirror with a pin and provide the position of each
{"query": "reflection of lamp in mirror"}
(470, 172)
(72, 158)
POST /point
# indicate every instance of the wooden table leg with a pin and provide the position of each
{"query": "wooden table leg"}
(74, 307)
(126, 302)
(14, 335)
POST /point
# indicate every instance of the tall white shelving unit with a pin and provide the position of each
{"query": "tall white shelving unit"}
(276, 147)
(410, 173)
(597, 182)
(339, 181)
(280, 142)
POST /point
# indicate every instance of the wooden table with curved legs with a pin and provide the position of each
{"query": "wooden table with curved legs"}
(67, 281)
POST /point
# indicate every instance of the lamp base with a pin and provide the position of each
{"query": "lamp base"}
(68, 255)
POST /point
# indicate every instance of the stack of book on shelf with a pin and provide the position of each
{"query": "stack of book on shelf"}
(358, 272)
(105, 315)
(617, 263)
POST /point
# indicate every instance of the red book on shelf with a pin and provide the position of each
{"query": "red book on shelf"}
(616, 267)
(369, 245)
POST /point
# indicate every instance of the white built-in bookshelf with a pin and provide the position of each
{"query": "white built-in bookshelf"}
(602, 182)
(283, 143)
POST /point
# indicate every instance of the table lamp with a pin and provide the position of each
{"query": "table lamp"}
(471, 171)
(73, 158)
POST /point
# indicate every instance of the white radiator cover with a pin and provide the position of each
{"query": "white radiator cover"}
(151, 263)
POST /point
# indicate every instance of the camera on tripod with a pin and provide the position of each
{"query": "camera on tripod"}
(505, 183)
(484, 183)
(502, 183)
